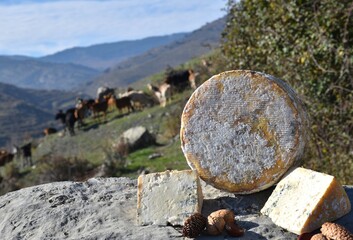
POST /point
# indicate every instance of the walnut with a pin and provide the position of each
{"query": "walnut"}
(318, 236)
(234, 230)
(221, 219)
(335, 231)
(215, 225)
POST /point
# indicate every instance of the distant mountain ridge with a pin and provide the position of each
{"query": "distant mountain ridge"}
(103, 56)
(70, 68)
(132, 61)
(193, 45)
(27, 72)
(26, 112)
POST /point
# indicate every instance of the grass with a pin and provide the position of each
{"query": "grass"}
(171, 158)
(94, 142)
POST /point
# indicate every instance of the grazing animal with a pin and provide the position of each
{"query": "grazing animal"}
(60, 116)
(140, 99)
(80, 112)
(48, 131)
(68, 118)
(99, 107)
(163, 93)
(104, 91)
(182, 79)
(25, 153)
(89, 102)
(124, 102)
(5, 157)
(128, 92)
(111, 100)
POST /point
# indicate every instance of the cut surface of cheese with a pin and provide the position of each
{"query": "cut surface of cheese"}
(242, 130)
(304, 199)
(168, 197)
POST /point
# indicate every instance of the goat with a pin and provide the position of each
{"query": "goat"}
(163, 93)
(48, 131)
(111, 100)
(104, 91)
(180, 80)
(80, 113)
(124, 102)
(5, 157)
(25, 152)
(68, 119)
(98, 107)
(139, 99)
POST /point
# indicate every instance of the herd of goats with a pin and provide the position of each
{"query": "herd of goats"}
(131, 100)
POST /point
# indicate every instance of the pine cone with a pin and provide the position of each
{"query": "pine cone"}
(335, 231)
(194, 225)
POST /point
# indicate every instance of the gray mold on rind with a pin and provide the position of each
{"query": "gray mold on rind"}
(242, 130)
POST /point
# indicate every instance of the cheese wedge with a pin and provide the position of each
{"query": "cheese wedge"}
(168, 197)
(304, 200)
(242, 130)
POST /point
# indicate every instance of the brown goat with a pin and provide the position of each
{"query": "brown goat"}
(111, 100)
(124, 102)
(5, 157)
(181, 79)
(99, 107)
(48, 131)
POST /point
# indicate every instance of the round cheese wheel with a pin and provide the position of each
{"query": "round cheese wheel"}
(242, 130)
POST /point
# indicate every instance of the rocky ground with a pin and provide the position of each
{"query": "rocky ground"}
(105, 208)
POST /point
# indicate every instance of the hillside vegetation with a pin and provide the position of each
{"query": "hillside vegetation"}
(309, 44)
(92, 149)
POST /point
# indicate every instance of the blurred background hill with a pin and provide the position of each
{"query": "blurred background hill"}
(106, 55)
(54, 72)
(193, 45)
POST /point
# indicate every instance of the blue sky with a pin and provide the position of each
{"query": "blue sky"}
(41, 27)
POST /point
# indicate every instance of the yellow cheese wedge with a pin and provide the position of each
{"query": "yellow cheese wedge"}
(304, 200)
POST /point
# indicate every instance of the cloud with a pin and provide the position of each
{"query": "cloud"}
(38, 28)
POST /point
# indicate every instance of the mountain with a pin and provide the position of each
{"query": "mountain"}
(26, 112)
(30, 73)
(102, 56)
(194, 44)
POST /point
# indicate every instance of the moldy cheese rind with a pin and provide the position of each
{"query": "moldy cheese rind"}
(242, 130)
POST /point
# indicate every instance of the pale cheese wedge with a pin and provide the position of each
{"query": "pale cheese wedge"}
(168, 197)
(305, 199)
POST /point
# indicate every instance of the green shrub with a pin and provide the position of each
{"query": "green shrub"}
(53, 168)
(309, 44)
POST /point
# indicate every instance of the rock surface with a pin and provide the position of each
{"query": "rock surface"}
(105, 208)
(137, 137)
